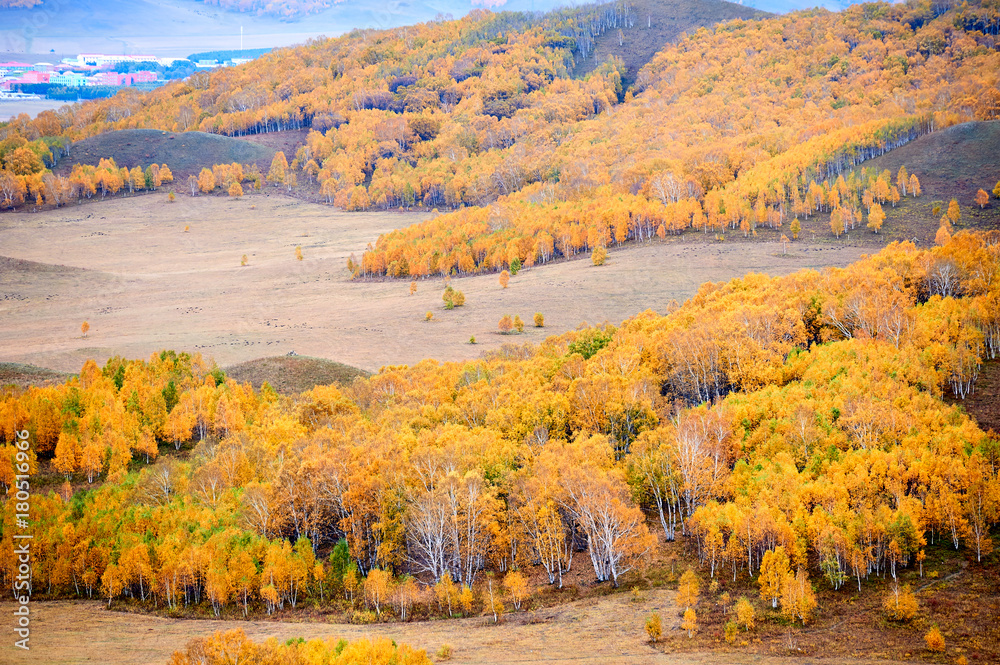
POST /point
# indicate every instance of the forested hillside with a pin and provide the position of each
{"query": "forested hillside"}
(801, 413)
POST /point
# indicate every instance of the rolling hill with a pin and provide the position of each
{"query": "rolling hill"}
(184, 153)
(293, 374)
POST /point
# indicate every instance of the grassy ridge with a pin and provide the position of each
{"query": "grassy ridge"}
(293, 374)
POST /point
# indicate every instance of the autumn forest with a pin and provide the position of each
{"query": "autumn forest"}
(800, 441)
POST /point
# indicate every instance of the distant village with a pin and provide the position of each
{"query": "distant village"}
(90, 75)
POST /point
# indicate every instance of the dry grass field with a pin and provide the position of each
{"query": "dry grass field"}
(143, 283)
(601, 630)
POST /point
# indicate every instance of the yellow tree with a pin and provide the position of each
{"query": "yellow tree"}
(745, 613)
(236, 190)
(876, 217)
(899, 602)
(654, 627)
(65, 461)
(954, 212)
(914, 185)
(774, 566)
(798, 600)
(690, 622)
(378, 587)
(504, 279)
(278, 170)
(206, 181)
(943, 233)
(982, 198)
(84, 327)
(687, 589)
(599, 256)
(837, 222)
(242, 577)
(517, 588)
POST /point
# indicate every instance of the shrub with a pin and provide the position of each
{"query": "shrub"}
(243, 260)
(518, 323)
(731, 631)
(539, 320)
(429, 316)
(472, 340)
(934, 639)
(363, 617)
(171, 197)
(506, 324)
(899, 603)
(444, 652)
(654, 627)
(452, 298)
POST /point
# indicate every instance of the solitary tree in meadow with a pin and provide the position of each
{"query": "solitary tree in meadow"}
(599, 255)
(982, 198)
(84, 327)
(504, 279)
(954, 212)
(654, 627)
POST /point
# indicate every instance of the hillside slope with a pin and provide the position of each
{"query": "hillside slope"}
(957, 161)
(649, 25)
(184, 153)
(293, 374)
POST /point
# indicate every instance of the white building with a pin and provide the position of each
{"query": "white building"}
(102, 60)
